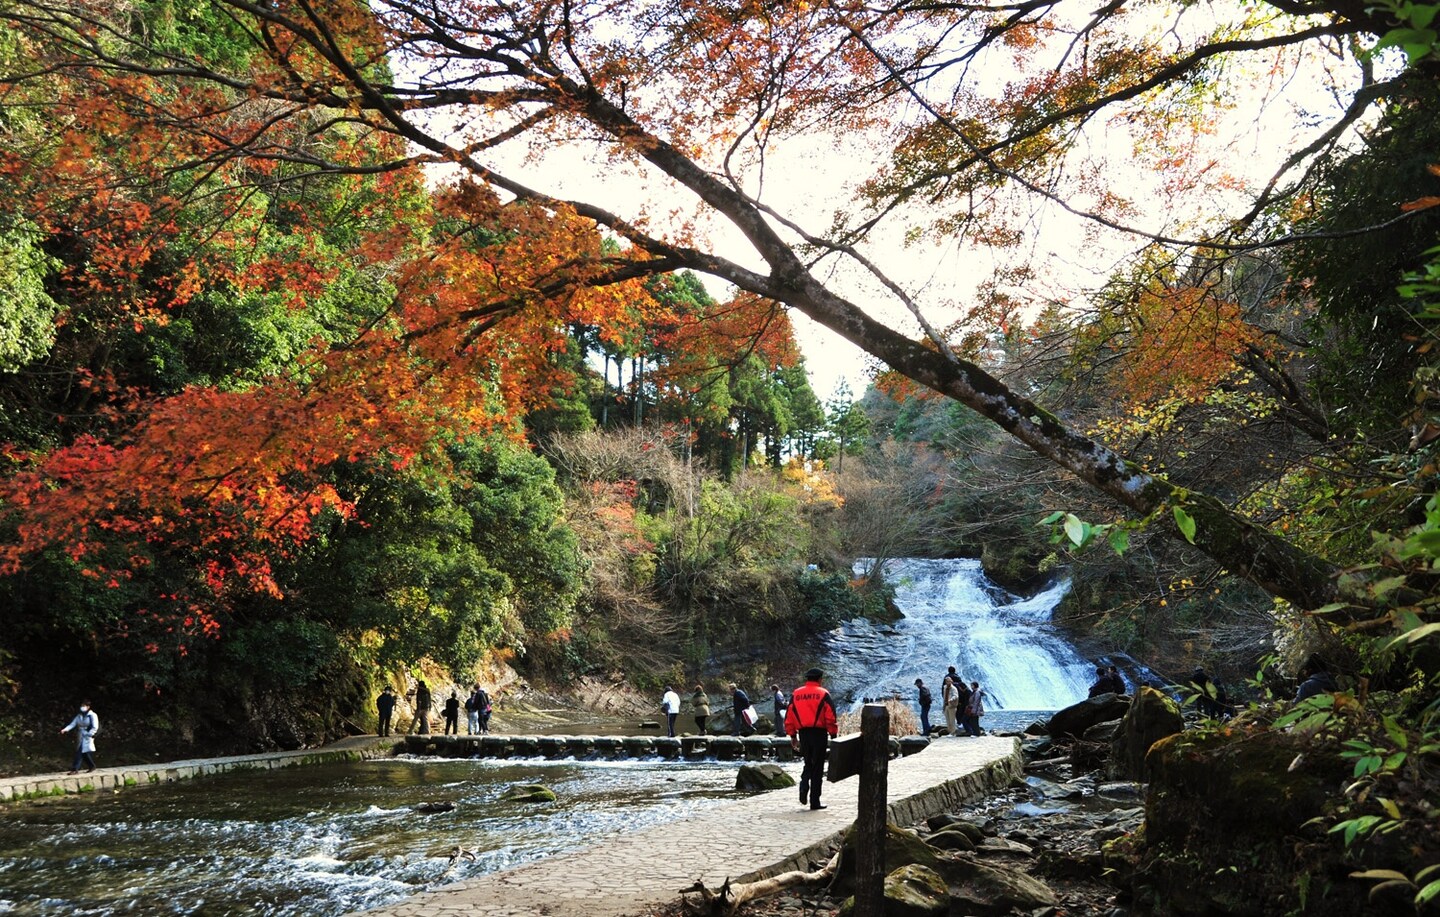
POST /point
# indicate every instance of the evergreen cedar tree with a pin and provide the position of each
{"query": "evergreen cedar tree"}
(153, 168)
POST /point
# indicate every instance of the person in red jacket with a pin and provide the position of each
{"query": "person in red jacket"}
(810, 723)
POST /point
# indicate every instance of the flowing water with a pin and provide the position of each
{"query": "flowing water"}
(330, 839)
(323, 840)
(955, 616)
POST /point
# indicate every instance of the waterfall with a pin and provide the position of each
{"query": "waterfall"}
(955, 616)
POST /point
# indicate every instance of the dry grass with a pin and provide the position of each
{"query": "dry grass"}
(903, 721)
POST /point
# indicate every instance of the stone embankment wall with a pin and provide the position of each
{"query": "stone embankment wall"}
(13, 789)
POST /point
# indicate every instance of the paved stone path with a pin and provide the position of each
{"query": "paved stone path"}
(751, 838)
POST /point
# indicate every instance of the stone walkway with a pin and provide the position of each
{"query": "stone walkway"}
(748, 839)
(115, 778)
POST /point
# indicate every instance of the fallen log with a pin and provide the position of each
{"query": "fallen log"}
(729, 899)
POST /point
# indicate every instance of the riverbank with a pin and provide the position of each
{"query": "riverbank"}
(1051, 829)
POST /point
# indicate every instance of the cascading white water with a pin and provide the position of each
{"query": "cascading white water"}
(955, 616)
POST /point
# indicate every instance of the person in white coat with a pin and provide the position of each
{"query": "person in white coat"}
(86, 723)
(670, 703)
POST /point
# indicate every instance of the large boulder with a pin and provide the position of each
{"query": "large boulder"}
(1152, 716)
(952, 838)
(757, 777)
(915, 891)
(985, 889)
(1217, 800)
(950, 822)
(1072, 722)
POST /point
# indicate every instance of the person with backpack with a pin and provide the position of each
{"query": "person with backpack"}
(86, 724)
(421, 723)
(482, 704)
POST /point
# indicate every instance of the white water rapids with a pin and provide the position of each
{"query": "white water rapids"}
(955, 616)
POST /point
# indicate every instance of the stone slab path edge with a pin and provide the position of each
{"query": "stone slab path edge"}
(628, 874)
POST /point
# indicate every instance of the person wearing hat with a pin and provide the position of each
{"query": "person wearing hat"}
(810, 723)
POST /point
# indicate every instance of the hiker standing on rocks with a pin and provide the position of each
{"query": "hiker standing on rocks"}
(1117, 681)
(422, 708)
(950, 701)
(85, 724)
(701, 702)
(1102, 683)
(962, 703)
(472, 710)
(810, 723)
(1318, 680)
(385, 706)
(482, 709)
(974, 709)
(925, 701)
(670, 703)
(1210, 699)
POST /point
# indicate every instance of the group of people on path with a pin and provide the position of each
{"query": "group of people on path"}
(807, 716)
(743, 713)
(962, 704)
(476, 704)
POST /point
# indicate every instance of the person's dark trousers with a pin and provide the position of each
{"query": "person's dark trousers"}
(735, 726)
(671, 718)
(924, 719)
(813, 743)
(385, 724)
(83, 757)
(780, 721)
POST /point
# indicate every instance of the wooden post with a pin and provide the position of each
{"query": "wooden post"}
(870, 816)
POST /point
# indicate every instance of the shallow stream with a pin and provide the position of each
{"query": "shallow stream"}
(332, 839)
(327, 839)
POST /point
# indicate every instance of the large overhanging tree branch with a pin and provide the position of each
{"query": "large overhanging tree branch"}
(695, 92)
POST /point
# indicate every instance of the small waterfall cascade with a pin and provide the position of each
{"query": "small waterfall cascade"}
(955, 616)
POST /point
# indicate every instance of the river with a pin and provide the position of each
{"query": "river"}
(323, 840)
(331, 839)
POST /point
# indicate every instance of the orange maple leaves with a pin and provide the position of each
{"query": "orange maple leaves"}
(1185, 342)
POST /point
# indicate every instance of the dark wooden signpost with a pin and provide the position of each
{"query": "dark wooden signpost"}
(868, 755)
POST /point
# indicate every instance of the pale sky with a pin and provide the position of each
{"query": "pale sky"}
(808, 179)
